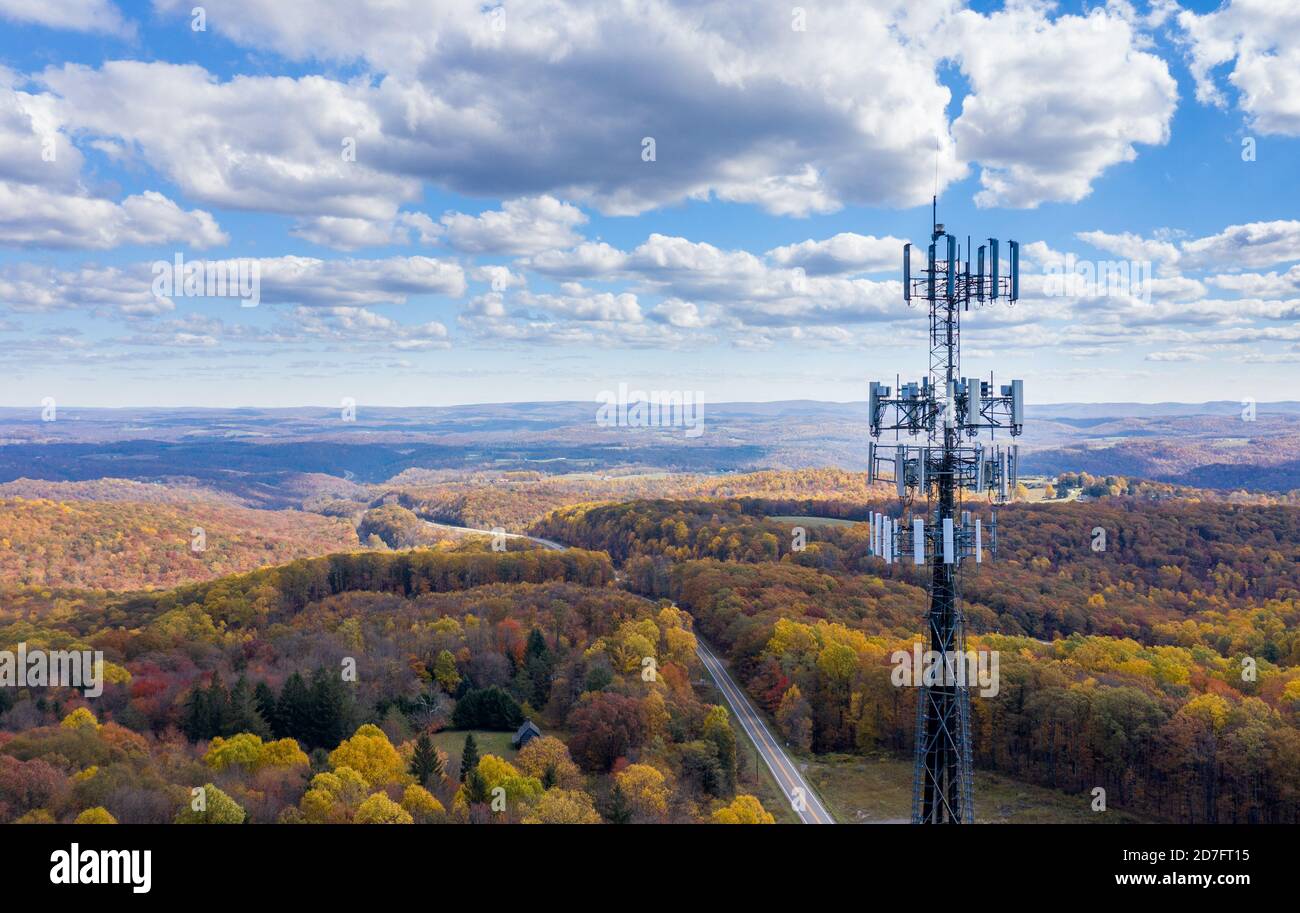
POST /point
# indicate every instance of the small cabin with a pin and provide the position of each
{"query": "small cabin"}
(526, 734)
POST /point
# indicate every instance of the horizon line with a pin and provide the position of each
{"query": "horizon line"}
(557, 402)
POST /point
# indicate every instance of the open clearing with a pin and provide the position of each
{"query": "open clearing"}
(814, 521)
(876, 790)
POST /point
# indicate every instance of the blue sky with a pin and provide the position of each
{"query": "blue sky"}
(500, 233)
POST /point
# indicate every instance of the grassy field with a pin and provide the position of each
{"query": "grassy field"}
(860, 790)
(453, 740)
(498, 743)
(814, 522)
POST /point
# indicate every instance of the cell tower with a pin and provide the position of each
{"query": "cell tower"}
(946, 414)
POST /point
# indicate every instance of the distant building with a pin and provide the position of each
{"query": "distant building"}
(526, 734)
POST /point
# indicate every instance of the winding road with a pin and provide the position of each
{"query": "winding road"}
(544, 543)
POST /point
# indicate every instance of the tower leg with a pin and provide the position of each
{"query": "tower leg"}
(943, 769)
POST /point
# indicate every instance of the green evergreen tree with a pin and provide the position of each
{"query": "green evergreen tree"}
(244, 714)
(196, 719)
(293, 712)
(536, 645)
(539, 666)
(468, 757)
(331, 709)
(487, 708)
(264, 700)
(221, 715)
(426, 765)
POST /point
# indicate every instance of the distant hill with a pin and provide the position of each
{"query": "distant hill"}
(1154, 410)
(127, 545)
(279, 457)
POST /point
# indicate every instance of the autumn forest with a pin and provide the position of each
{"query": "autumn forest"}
(365, 657)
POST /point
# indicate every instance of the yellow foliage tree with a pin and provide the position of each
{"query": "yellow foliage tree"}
(1209, 708)
(497, 772)
(654, 709)
(632, 643)
(645, 789)
(36, 816)
(241, 750)
(333, 797)
(422, 805)
(370, 754)
(379, 809)
(679, 646)
(213, 807)
(248, 751)
(547, 759)
(96, 815)
(81, 718)
(743, 810)
(282, 753)
(563, 806)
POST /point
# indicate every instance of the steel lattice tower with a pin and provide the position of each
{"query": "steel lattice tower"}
(947, 412)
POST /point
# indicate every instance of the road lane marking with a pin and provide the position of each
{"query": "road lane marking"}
(781, 765)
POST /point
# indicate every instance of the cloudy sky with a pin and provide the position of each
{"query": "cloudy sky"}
(460, 202)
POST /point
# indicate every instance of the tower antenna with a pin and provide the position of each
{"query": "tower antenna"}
(937, 145)
(945, 413)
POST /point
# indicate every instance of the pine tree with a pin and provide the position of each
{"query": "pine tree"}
(196, 721)
(293, 711)
(536, 644)
(331, 708)
(468, 757)
(539, 666)
(264, 701)
(244, 715)
(426, 765)
(221, 716)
